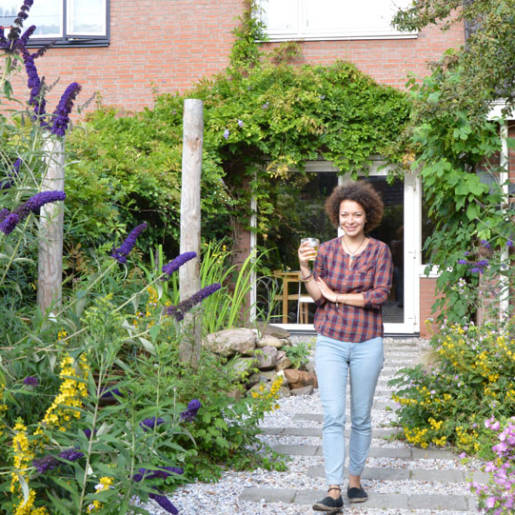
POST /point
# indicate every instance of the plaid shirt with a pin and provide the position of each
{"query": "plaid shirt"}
(371, 275)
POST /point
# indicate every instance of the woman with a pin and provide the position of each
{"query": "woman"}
(351, 279)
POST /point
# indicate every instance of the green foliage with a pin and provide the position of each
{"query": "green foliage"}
(274, 118)
(299, 354)
(471, 378)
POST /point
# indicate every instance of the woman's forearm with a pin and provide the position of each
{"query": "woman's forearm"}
(306, 276)
(351, 299)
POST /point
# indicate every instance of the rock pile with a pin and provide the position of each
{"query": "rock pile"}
(258, 357)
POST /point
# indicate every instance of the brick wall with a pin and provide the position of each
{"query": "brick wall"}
(170, 45)
(427, 298)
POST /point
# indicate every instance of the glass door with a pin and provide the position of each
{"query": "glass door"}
(280, 294)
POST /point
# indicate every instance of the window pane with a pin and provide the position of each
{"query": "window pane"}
(8, 11)
(86, 17)
(47, 16)
(280, 17)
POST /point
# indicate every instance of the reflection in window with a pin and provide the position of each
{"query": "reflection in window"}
(63, 21)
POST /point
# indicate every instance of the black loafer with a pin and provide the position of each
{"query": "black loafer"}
(356, 494)
(329, 505)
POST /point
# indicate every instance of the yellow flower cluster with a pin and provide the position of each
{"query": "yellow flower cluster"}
(73, 389)
(440, 441)
(104, 484)
(436, 425)
(467, 441)
(23, 456)
(416, 436)
(272, 393)
(404, 401)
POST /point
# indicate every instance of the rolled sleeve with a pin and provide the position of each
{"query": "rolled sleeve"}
(375, 297)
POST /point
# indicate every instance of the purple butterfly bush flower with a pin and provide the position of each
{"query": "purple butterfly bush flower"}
(16, 27)
(191, 412)
(71, 454)
(7, 183)
(165, 503)
(9, 223)
(151, 422)
(121, 253)
(183, 307)
(476, 270)
(61, 116)
(485, 244)
(3, 213)
(175, 264)
(31, 381)
(482, 262)
(108, 394)
(161, 472)
(46, 463)
(462, 261)
(34, 83)
(509, 243)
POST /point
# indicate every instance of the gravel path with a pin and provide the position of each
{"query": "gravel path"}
(305, 472)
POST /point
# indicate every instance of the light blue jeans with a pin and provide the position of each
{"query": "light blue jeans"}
(334, 361)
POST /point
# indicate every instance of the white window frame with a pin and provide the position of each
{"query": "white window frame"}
(66, 36)
(301, 31)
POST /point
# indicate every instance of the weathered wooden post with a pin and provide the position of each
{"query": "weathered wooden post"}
(189, 273)
(50, 261)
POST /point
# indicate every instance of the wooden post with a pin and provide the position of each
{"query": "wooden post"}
(50, 261)
(189, 273)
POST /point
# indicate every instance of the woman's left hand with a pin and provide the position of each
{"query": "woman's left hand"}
(329, 294)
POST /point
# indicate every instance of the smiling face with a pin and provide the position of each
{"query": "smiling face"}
(352, 218)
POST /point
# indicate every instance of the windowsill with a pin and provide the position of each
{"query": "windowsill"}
(69, 42)
(280, 38)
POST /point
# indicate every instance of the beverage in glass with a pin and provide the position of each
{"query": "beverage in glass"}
(314, 243)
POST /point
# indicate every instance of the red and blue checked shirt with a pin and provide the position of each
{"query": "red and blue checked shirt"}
(370, 274)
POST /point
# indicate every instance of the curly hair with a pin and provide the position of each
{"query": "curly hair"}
(361, 192)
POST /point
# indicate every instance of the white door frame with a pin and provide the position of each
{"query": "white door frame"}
(412, 249)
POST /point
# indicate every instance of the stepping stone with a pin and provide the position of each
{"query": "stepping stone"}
(376, 500)
(316, 450)
(316, 431)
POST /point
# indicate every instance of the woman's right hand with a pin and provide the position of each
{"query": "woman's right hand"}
(306, 252)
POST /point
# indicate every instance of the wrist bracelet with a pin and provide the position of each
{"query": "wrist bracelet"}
(306, 279)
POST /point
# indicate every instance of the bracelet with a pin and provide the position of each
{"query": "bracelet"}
(306, 279)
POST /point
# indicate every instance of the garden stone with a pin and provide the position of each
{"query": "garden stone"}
(270, 341)
(231, 341)
(284, 391)
(299, 378)
(303, 390)
(278, 332)
(266, 358)
(283, 362)
(241, 366)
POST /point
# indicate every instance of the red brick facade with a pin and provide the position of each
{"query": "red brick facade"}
(170, 45)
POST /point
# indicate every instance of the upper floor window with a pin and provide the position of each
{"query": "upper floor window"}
(331, 19)
(67, 22)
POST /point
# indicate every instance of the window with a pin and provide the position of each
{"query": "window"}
(67, 22)
(331, 19)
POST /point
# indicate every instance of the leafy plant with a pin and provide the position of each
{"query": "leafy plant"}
(299, 354)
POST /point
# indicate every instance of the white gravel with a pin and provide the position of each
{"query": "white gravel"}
(222, 498)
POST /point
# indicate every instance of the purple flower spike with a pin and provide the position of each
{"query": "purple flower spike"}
(9, 223)
(121, 253)
(462, 261)
(3, 213)
(36, 202)
(71, 455)
(226, 133)
(476, 270)
(509, 243)
(485, 244)
(61, 116)
(482, 262)
(45, 463)
(152, 422)
(31, 381)
(7, 183)
(191, 412)
(183, 307)
(162, 473)
(165, 503)
(174, 265)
